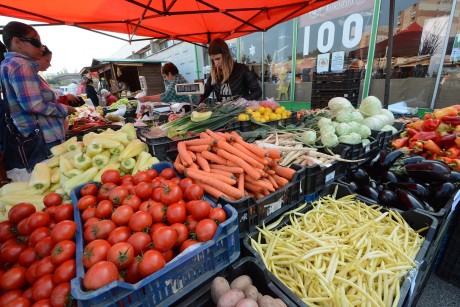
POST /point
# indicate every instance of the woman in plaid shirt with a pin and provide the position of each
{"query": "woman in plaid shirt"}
(32, 106)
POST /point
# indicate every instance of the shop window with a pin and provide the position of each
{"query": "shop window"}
(251, 54)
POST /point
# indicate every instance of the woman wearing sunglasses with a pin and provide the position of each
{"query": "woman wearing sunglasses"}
(36, 120)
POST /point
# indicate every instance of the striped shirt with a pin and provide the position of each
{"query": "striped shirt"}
(170, 94)
(31, 99)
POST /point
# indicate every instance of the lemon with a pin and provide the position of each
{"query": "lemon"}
(249, 111)
(268, 111)
(256, 114)
(262, 120)
(261, 110)
(243, 117)
(278, 116)
(273, 116)
(267, 117)
(279, 110)
(288, 113)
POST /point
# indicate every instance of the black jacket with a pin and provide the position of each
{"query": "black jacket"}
(243, 83)
(92, 94)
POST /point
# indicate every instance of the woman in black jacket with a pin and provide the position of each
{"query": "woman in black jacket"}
(91, 92)
(229, 80)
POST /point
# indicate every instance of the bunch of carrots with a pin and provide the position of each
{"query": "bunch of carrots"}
(225, 165)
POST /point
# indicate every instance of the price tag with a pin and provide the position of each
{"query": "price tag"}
(329, 177)
(273, 207)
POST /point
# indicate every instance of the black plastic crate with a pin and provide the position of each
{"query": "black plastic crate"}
(317, 177)
(358, 152)
(164, 148)
(415, 219)
(245, 266)
(400, 127)
(252, 212)
(243, 126)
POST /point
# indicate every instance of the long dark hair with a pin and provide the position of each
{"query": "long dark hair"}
(15, 29)
(219, 46)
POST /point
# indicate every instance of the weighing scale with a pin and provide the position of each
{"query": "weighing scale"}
(187, 89)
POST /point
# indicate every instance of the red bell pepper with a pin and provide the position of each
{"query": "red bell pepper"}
(430, 124)
(416, 146)
(451, 120)
(398, 143)
(432, 147)
(415, 125)
(411, 132)
(427, 116)
(447, 111)
(425, 136)
(453, 152)
(457, 141)
(457, 106)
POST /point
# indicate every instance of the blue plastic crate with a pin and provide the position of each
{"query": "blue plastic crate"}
(169, 284)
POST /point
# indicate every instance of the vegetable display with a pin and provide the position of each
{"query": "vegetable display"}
(342, 252)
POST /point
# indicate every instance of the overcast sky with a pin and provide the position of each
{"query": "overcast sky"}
(73, 48)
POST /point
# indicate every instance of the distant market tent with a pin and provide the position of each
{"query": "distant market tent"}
(197, 21)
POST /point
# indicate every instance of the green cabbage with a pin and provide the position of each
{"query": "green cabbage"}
(339, 103)
(364, 131)
(309, 137)
(356, 116)
(329, 139)
(324, 121)
(389, 114)
(370, 106)
(344, 116)
(374, 123)
(352, 138)
(326, 129)
(389, 128)
(342, 129)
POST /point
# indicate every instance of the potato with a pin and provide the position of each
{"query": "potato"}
(218, 287)
(280, 302)
(251, 292)
(241, 282)
(266, 301)
(247, 302)
(230, 298)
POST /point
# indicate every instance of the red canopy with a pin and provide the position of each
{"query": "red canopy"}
(197, 21)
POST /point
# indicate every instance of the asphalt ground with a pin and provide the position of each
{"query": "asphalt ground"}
(438, 292)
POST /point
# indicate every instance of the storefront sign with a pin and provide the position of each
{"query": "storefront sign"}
(338, 59)
(322, 64)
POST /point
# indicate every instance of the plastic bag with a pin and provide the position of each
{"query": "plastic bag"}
(269, 103)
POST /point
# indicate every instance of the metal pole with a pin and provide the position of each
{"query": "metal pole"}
(389, 53)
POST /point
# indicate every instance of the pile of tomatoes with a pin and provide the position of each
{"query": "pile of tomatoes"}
(134, 225)
(37, 254)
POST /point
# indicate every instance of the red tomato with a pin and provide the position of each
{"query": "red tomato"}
(90, 222)
(19, 302)
(127, 178)
(171, 193)
(42, 303)
(164, 238)
(142, 176)
(218, 215)
(130, 186)
(63, 212)
(176, 213)
(89, 189)
(86, 202)
(168, 173)
(140, 220)
(103, 228)
(88, 213)
(50, 211)
(140, 241)
(38, 219)
(99, 275)
(156, 195)
(95, 252)
(200, 209)
(64, 230)
(104, 209)
(23, 227)
(155, 227)
(11, 250)
(122, 214)
(181, 231)
(118, 194)
(14, 278)
(144, 190)
(153, 173)
(104, 191)
(61, 295)
(30, 274)
(42, 287)
(65, 271)
(112, 176)
(158, 212)
(10, 296)
(62, 251)
(205, 230)
(133, 201)
(191, 223)
(145, 206)
(121, 254)
(44, 266)
(168, 255)
(187, 243)
(27, 257)
(37, 235)
(194, 192)
(20, 211)
(132, 274)
(44, 247)
(151, 262)
(119, 234)
(156, 183)
(6, 232)
(185, 183)
(28, 293)
(52, 199)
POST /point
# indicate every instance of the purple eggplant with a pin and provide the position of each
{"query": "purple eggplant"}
(440, 195)
(415, 188)
(391, 158)
(413, 159)
(368, 192)
(388, 198)
(428, 171)
(408, 200)
(388, 176)
(361, 177)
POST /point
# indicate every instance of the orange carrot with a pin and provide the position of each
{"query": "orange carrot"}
(241, 183)
(202, 162)
(265, 192)
(231, 164)
(285, 172)
(215, 135)
(250, 153)
(225, 173)
(251, 147)
(184, 155)
(216, 193)
(199, 148)
(213, 157)
(274, 153)
(179, 167)
(192, 154)
(195, 142)
(204, 135)
(261, 183)
(219, 177)
(270, 171)
(241, 163)
(194, 166)
(227, 136)
(234, 151)
(258, 195)
(230, 169)
(222, 186)
(252, 187)
(281, 181)
(271, 162)
(272, 181)
(261, 172)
